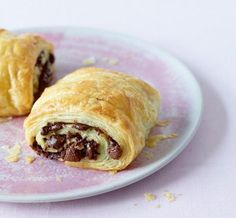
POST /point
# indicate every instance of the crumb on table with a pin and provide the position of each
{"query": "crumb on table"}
(169, 196)
(149, 196)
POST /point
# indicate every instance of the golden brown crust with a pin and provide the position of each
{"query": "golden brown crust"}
(124, 107)
(18, 55)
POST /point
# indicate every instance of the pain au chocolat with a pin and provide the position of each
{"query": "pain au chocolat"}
(26, 68)
(93, 118)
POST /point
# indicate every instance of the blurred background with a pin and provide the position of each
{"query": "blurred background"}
(194, 30)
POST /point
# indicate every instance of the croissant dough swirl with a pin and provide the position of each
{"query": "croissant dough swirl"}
(26, 66)
(93, 118)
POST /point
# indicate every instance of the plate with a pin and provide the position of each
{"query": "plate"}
(181, 102)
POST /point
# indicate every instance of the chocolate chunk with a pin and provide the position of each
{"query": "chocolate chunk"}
(45, 75)
(74, 135)
(51, 58)
(39, 59)
(75, 140)
(51, 127)
(56, 141)
(45, 130)
(89, 153)
(98, 130)
(72, 154)
(72, 146)
(114, 150)
(81, 126)
(54, 156)
(36, 147)
(56, 126)
(91, 149)
(79, 145)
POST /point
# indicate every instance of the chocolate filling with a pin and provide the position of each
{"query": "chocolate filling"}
(45, 76)
(71, 146)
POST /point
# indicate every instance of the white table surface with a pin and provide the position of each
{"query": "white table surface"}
(203, 34)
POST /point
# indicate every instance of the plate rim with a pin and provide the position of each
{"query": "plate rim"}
(153, 167)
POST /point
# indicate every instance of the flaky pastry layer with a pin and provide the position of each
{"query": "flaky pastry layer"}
(122, 107)
(18, 72)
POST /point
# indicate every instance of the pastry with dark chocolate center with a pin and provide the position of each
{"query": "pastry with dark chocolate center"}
(26, 68)
(93, 118)
(74, 141)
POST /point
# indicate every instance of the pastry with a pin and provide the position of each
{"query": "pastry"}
(93, 118)
(26, 68)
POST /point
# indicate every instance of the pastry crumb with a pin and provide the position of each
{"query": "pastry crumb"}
(148, 155)
(112, 61)
(169, 196)
(41, 163)
(89, 61)
(113, 172)
(163, 123)
(149, 196)
(158, 206)
(14, 154)
(153, 140)
(29, 159)
(5, 119)
(59, 178)
(12, 158)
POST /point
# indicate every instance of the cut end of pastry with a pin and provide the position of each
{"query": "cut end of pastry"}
(75, 142)
(43, 72)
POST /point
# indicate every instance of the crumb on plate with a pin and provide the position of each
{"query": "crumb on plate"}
(14, 153)
(148, 155)
(41, 162)
(113, 172)
(112, 61)
(153, 140)
(89, 61)
(59, 178)
(29, 159)
(163, 123)
(5, 119)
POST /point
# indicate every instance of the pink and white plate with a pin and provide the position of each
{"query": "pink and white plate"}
(181, 101)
